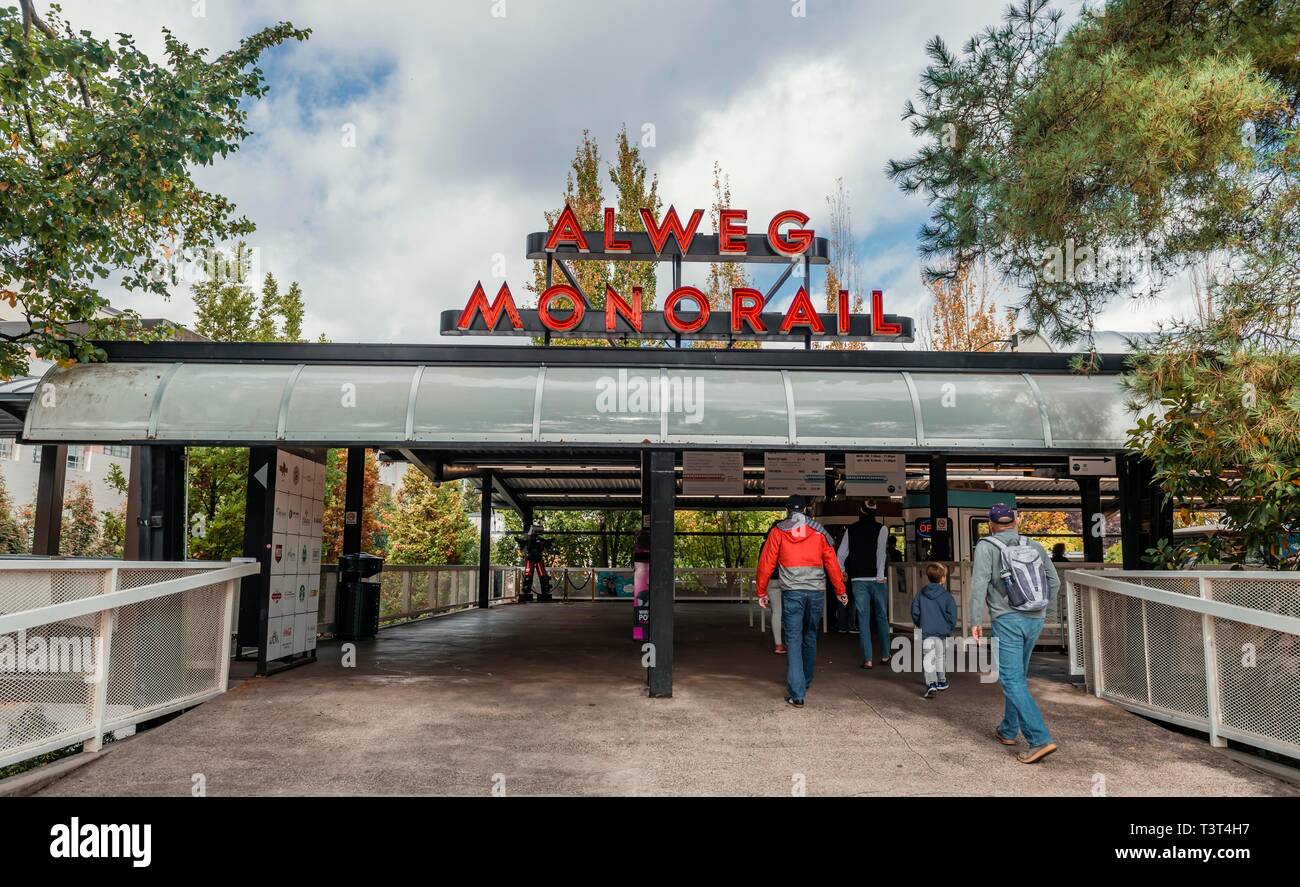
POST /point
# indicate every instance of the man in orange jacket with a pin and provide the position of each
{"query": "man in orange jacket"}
(800, 551)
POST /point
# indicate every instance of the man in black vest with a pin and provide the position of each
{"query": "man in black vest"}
(863, 560)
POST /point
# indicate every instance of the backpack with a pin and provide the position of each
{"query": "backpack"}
(1023, 574)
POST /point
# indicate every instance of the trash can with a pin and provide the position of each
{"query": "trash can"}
(358, 596)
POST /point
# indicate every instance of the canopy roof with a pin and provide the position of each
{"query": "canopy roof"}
(553, 398)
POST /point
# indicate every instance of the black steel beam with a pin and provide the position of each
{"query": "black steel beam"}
(1094, 519)
(508, 493)
(516, 355)
(49, 500)
(1146, 514)
(645, 482)
(780, 282)
(354, 490)
(259, 517)
(485, 544)
(663, 489)
(419, 459)
(940, 540)
(573, 282)
(161, 505)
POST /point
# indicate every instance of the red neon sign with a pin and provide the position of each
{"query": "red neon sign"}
(878, 325)
(794, 242)
(478, 304)
(670, 310)
(549, 320)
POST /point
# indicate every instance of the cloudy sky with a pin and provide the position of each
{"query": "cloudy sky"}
(466, 119)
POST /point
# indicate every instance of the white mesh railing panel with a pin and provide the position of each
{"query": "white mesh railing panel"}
(1259, 680)
(1123, 650)
(167, 647)
(165, 650)
(1177, 660)
(1155, 654)
(48, 693)
(30, 589)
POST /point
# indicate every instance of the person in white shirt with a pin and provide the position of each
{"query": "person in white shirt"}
(863, 561)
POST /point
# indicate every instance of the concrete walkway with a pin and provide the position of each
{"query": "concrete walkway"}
(550, 699)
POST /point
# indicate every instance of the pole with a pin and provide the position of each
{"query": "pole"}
(663, 489)
(940, 540)
(485, 543)
(49, 500)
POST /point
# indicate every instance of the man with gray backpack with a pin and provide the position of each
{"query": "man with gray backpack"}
(1016, 579)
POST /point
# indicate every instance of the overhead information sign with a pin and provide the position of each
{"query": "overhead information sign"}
(875, 474)
(1093, 466)
(790, 474)
(713, 473)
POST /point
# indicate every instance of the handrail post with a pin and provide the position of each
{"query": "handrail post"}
(406, 591)
(103, 662)
(1213, 708)
(1094, 632)
(1146, 652)
(223, 642)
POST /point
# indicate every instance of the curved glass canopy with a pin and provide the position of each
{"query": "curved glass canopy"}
(395, 406)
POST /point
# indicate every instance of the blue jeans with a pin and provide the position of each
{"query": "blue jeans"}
(871, 598)
(801, 616)
(1016, 636)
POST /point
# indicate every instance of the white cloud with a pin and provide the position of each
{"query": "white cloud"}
(465, 126)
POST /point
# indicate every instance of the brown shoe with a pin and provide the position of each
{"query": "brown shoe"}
(780, 649)
(1034, 755)
(1002, 739)
(868, 664)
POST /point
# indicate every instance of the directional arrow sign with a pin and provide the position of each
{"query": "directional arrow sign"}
(1097, 466)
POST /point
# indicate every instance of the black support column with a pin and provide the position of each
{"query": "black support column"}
(1146, 514)
(663, 491)
(49, 501)
(259, 517)
(1094, 520)
(940, 540)
(354, 492)
(645, 482)
(160, 505)
(485, 543)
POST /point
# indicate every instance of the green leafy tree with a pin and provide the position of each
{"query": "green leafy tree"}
(291, 309)
(1101, 160)
(264, 331)
(218, 480)
(227, 309)
(730, 547)
(13, 536)
(80, 532)
(1148, 139)
(634, 189)
(429, 524)
(1223, 431)
(98, 147)
(373, 517)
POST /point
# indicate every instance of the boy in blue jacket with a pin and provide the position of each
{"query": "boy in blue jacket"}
(935, 613)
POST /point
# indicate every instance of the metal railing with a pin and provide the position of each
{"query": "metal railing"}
(1215, 651)
(906, 578)
(90, 647)
(411, 591)
(734, 584)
